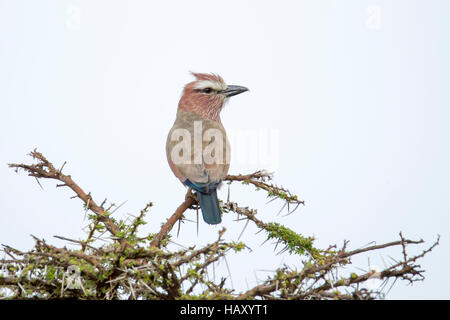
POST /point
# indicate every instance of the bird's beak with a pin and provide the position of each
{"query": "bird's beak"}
(233, 90)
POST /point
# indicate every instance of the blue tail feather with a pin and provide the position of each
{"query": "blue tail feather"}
(210, 207)
(207, 196)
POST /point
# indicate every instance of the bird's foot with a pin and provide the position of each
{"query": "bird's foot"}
(194, 197)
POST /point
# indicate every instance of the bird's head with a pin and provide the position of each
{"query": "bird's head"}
(207, 95)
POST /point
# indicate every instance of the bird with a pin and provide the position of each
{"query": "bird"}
(197, 147)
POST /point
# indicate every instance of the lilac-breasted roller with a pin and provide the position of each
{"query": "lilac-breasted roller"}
(197, 147)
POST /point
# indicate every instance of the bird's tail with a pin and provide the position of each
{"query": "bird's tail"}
(210, 206)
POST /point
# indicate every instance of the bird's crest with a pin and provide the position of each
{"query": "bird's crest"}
(208, 76)
(208, 80)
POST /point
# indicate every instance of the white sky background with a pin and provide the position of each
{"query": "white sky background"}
(357, 92)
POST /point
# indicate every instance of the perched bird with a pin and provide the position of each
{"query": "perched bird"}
(197, 147)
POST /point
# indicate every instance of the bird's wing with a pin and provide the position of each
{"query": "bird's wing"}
(197, 166)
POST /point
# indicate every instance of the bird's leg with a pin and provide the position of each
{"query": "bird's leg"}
(189, 193)
(192, 195)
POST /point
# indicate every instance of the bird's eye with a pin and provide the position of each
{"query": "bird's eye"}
(207, 90)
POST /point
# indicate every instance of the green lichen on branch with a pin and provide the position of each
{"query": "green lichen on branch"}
(294, 242)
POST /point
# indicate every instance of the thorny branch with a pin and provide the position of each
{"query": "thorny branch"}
(133, 266)
(45, 169)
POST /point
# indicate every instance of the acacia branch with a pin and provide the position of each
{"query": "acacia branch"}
(260, 180)
(144, 271)
(45, 169)
(177, 215)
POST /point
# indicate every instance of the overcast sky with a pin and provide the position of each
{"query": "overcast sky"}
(348, 105)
